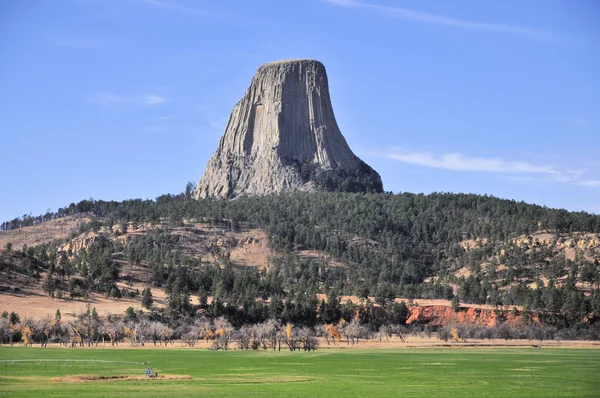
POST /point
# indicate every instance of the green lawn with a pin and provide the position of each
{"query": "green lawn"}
(432, 372)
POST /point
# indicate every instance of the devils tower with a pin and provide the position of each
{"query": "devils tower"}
(282, 136)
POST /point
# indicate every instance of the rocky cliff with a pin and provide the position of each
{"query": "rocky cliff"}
(282, 136)
(438, 315)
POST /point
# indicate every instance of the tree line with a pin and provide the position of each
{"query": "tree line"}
(402, 245)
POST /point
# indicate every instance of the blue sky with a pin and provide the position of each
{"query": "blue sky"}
(118, 99)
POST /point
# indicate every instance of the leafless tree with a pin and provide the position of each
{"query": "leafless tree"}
(77, 337)
(352, 331)
(114, 328)
(6, 331)
(281, 337)
(190, 337)
(43, 328)
(291, 337)
(385, 332)
(194, 333)
(308, 339)
(243, 336)
(265, 335)
(399, 331)
(60, 333)
(89, 326)
(155, 330)
(138, 331)
(223, 332)
(270, 333)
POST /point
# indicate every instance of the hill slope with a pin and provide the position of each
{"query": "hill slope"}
(271, 256)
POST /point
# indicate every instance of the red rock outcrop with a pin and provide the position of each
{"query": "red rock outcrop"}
(438, 315)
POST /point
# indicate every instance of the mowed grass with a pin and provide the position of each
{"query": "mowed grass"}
(432, 372)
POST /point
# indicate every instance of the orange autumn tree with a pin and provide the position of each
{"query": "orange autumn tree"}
(207, 333)
(27, 335)
(332, 332)
(223, 332)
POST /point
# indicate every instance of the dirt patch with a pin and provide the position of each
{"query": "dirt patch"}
(252, 249)
(463, 272)
(43, 233)
(469, 244)
(37, 304)
(85, 378)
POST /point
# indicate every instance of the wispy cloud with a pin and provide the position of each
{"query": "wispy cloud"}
(175, 7)
(218, 122)
(164, 118)
(590, 183)
(516, 170)
(82, 43)
(579, 122)
(403, 13)
(107, 98)
(459, 162)
(153, 128)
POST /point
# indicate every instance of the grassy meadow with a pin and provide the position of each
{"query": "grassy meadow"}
(481, 372)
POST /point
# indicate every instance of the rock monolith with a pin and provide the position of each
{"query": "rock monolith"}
(282, 136)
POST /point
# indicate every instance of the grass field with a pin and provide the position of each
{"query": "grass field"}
(434, 372)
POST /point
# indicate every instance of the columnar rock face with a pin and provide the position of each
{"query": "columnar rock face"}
(282, 136)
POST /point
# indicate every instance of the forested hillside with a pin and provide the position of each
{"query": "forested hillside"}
(470, 248)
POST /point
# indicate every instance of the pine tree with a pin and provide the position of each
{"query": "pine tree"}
(147, 299)
(455, 303)
(49, 284)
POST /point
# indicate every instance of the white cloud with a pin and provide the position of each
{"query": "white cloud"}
(590, 183)
(174, 6)
(518, 171)
(218, 122)
(579, 122)
(456, 161)
(151, 99)
(403, 13)
(108, 98)
(82, 43)
(153, 129)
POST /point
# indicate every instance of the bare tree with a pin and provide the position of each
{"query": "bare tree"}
(291, 337)
(385, 332)
(138, 331)
(353, 331)
(281, 337)
(399, 331)
(194, 333)
(190, 337)
(243, 336)
(77, 337)
(43, 328)
(60, 333)
(265, 335)
(223, 332)
(6, 331)
(115, 329)
(307, 339)
(166, 335)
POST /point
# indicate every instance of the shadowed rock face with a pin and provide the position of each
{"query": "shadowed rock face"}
(282, 136)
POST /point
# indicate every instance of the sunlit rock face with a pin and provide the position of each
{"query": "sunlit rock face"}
(282, 136)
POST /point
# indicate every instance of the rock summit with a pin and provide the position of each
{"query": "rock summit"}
(282, 136)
